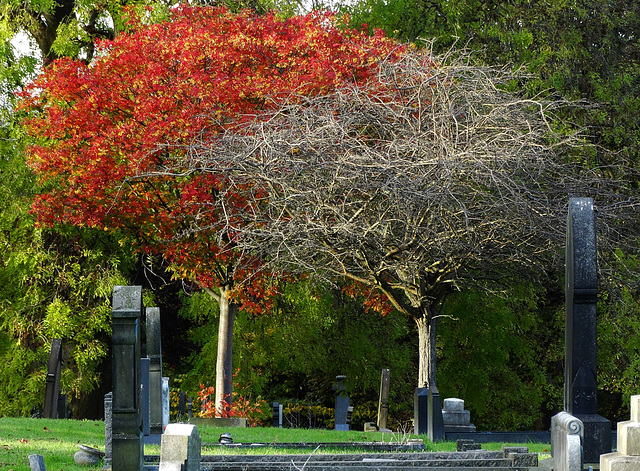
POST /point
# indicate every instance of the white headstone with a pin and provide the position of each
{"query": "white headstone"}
(180, 448)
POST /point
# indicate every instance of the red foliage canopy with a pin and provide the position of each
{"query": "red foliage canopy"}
(105, 131)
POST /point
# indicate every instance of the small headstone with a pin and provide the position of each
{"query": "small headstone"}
(52, 390)
(182, 404)
(276, 415)
(166, 404)
(342, 404)
(180, 448)
(467, 444)
(37, 463)
(455, 418)
(383, 403)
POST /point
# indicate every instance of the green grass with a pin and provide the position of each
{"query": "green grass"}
(57, 441)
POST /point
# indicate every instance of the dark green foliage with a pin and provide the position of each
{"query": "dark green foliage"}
(295, 352)
(502, 357)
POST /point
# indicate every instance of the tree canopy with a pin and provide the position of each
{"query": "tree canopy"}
(107, 133)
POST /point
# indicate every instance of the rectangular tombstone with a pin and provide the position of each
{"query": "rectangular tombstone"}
(36, 462)
(154, 352)
(383, 403)
(342, 404)
(52, 391)
(180, 448)
(166, 402)
(144, 386)
(108, 428)
(581, 278)
(128, 444)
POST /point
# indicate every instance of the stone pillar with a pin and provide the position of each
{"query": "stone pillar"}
(127, 442)
(342, 403)
(154, 352)
(144, 405)
(581, 387)
(52, 390)
(108, 429)
(383, 403)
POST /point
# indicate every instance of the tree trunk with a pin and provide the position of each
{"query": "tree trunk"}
(224, 365)
(426, 351)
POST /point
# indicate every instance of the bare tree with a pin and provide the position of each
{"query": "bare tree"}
(430, 179)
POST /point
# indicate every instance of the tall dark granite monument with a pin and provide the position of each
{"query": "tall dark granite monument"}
(581, 386)
(127, 438)
(52, 390)
(154, 352)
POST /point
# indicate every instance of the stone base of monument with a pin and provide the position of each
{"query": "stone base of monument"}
(219, 421)
(455, 418)
(597, 437)
(627, 458)
(508, 459)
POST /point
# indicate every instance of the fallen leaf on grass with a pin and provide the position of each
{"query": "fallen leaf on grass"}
(46, 429)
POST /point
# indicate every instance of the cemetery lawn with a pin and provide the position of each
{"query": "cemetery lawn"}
(57, 441)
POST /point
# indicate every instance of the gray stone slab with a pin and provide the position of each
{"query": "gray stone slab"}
(37, 463)
(180, 449)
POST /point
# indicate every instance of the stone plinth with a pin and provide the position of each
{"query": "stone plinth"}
(455, 418)
(627, 458)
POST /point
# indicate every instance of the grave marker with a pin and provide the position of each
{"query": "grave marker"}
(581, 387)
(383, 404)
(180, 449)
(52, 391)
(127, 439)
(342, 404)
(154, 352)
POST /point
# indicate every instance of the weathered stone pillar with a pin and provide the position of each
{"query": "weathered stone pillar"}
(383, 403)
(127, 439)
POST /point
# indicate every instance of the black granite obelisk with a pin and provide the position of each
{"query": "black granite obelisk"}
(127, 437)
(581, 386)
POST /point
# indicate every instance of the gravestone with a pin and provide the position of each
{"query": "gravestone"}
(383, 403)
(52, 391)
(342, 403)
(166, 402)
(154, 352)
(144, 405)
(127, 438)
(180, 449)
(627, 458)
(581, 387)
(567, 436)
(36, 462)
(455, 418)
(276, 415)
(427, 414)
(108, 429)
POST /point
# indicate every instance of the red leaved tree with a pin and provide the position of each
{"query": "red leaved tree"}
(110, 137)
